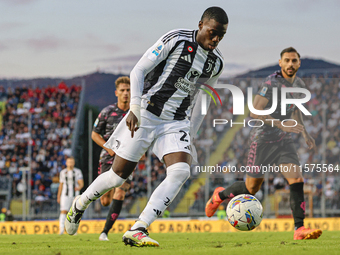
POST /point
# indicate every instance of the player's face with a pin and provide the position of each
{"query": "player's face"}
(210, 33)
(123, 93)
(70, 162)
(289, 63)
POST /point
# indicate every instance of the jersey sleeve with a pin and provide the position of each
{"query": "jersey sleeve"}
(100, 123)
(79, 175)
(151, 58)
(62, 177)
(266, 89)
(161, 49)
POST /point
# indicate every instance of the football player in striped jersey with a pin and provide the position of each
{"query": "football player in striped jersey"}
(70, 183)
(165, 115)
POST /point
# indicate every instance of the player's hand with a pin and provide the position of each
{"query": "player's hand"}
(111, 152)
(290, 129)
(131, 122)
(58, 200)
(77, 188)
(309, 141)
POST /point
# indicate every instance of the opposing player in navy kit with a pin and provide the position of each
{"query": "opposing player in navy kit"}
(164, 85)
(107, 121)
(272, 144)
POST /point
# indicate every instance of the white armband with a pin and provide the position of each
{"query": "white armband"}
(135, 109)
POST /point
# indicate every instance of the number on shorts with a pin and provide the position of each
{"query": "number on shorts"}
(183, 136)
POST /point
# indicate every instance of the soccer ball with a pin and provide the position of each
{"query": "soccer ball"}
(244, 212)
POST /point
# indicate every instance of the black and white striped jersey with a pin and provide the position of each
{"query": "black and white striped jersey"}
(70, 179)
(181, 66)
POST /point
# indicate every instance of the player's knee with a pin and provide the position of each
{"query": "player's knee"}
(295, 180)
(179, 172)
(253, 188)
(119, 194)
(105, 201)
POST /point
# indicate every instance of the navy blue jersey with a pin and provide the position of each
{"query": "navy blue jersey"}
(268, 133)
(107, 121)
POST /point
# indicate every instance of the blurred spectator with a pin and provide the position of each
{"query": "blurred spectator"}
(3, 214)
(221, 213)
(9, 216)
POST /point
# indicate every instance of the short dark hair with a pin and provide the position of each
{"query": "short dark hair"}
(215, 13)
(289, 49)
(122, 79)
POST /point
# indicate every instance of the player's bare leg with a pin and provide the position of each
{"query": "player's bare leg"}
(117, 204)
(297, 202)
(253, 185)
(106, 199)
(121, 169)
(250, 186)
(178, 171)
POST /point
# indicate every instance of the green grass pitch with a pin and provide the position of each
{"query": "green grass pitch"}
(174, 243)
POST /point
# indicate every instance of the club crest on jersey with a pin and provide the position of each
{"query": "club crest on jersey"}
(263, 91)
(210, 65)
(158, 49)
(190, 49)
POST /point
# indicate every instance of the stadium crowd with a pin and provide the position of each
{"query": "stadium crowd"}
(52, 112)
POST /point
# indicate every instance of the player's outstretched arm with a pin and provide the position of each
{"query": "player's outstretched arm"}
(143, 67)
(98, 139)
(260, 103)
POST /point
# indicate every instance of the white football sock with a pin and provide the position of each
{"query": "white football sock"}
(164, 194)
(102, 184)
(62, 218)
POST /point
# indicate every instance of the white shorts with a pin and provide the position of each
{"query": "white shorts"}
(162, 136)
(65, 203)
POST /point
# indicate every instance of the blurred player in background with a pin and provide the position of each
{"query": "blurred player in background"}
(165, 86)
(273, 144)
(103, 128)
(70, 184)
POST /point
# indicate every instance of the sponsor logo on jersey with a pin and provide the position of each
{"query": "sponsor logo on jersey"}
(186, 86)
(158, 49)
(187, 58)
(192, 76)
